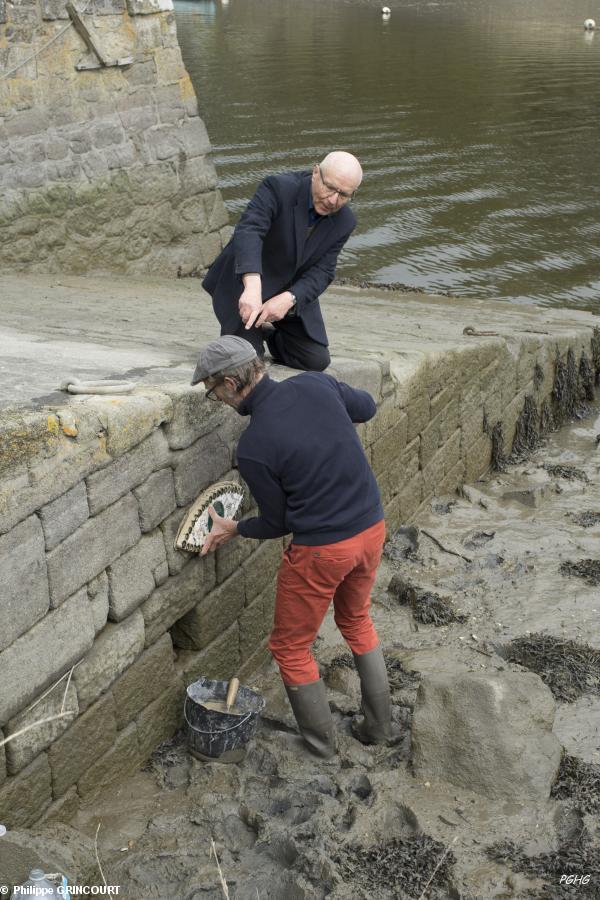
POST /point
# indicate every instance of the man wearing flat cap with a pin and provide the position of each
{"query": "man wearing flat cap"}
(304, 464)
(282, 256)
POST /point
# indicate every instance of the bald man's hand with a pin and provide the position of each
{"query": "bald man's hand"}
(275, 309)
(250, 302)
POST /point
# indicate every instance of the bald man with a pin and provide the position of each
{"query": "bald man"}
(282, 256)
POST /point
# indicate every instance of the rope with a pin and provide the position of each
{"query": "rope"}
(42, 48)
(75, 386)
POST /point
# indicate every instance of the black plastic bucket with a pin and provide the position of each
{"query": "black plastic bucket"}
(211, 734)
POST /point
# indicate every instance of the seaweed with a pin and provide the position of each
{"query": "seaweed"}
(527, 435)
(587, 519)
(398, 677)
(400, 867)
(427, 607)
(578, 781)
(569, 472)
(499, 458)
(578, 853)
(569, 669)
(588, 569)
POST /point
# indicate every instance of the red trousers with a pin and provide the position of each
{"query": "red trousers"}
(309, 579)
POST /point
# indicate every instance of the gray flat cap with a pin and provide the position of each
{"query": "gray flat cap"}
(226, 352)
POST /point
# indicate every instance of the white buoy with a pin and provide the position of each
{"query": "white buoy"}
(589, 25)
(386, 11)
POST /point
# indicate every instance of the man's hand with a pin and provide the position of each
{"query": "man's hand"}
(275, 309)
(221, 532)
(250, 302)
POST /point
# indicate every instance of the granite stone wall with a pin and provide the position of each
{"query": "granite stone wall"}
(105, 168)
(98, 606)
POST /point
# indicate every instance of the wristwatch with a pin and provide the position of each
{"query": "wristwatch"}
(292, 310)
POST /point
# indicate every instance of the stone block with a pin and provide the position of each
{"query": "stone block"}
(105, 134)
(392, 479)
(98, 594)
(122, 759)
(138, 119)
(212, 616)
(452, 450)
(252, 628)
(169, 66)
(387, 416)
(156, 499)
(131, 577)
(218, 660)
(26, 123)
(449, 419)
(232, 555)
(92, 548)
(387, 447)
(64, 516)
(442, 399)
(194, 138)
(418, 416)
(210, 246)
(22, 750)
(176, 559)
(364, 374)
(453, 479)
(199, 466)
(24, 798)
(161, 573)
(258, 660)
(489, 733)
(199, 175)
(61, 811)
(410, 498)
(268, 602)
(25, 594)
(261, 567)
(433, 474)
(129, 471)
(161, 719)
(114, 650)
(430, 442)
(472, 427)
(177, 596)
(129, 419)
(143, 681)
(478, 458)
(38, 658)
(86, 741)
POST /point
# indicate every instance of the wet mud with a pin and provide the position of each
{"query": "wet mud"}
(480, 585)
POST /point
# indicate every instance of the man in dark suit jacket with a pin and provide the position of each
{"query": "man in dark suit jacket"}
(282, 256)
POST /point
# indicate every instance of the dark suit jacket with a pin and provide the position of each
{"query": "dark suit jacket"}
(272, 238)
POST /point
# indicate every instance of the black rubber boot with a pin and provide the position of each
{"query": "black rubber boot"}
(376, 726)
(311, 709)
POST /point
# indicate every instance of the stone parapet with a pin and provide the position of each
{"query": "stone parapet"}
(92, 492)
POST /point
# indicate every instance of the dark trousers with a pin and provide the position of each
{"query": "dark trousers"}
(288, 344)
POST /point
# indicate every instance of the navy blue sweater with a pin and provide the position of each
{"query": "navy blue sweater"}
(304, 462)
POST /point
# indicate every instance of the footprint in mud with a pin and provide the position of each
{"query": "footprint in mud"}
(294, 809)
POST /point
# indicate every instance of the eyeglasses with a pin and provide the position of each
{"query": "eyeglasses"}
(210, 393)
(343, 195)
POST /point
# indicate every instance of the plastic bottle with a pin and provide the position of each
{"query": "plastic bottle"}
(38, 886)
